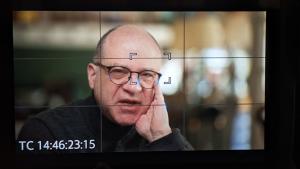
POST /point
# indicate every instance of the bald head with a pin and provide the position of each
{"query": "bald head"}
(129, 37)
(118, 43)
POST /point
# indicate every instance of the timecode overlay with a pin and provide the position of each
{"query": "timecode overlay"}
(56, 145)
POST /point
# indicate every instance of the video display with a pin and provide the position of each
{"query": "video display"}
(116, 81)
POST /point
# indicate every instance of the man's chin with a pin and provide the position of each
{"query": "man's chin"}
(126, 122)
(126, 119)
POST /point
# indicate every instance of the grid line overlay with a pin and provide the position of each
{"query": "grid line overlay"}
(140, 58)
(90, 106)
(101, 109)
(184, 85)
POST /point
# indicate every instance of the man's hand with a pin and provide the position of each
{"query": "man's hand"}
(154, 124)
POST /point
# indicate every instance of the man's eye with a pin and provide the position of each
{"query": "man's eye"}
(147, 74)
(119, 73)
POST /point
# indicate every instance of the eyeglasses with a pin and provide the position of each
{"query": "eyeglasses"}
(120, 75)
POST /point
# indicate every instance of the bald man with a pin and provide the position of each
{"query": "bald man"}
(126, 111)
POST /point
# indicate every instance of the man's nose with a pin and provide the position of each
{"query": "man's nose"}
(133, 85)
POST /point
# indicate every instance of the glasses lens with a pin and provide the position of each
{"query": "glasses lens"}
(148, 79)
(119, 75)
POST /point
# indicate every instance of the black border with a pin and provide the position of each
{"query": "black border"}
(278, 124)
(154, 5)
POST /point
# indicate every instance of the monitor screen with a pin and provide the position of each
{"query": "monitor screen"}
(85, 81)
(95, 82)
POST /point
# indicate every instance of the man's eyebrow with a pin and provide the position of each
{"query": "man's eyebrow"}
(121, 65)
(148, 69)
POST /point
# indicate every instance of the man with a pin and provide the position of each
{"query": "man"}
(126, 111)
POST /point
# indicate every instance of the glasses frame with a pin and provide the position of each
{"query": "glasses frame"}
(109, 68)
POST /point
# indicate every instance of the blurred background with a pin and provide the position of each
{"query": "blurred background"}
(213, 74)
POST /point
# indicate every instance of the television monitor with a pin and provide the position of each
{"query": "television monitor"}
(212, 87)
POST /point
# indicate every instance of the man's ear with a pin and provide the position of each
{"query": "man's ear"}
(92, 74)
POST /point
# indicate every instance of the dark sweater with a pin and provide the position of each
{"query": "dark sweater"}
(84, 121)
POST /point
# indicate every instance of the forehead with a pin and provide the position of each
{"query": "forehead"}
(132, 47)
(135, 64)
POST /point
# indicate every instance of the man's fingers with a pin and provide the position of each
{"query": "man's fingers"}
(150, 110)
(159, 96)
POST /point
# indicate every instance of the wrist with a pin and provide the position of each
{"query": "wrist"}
(159, 134)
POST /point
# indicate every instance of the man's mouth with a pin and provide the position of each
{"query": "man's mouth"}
(129, 102)
(129, 105)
